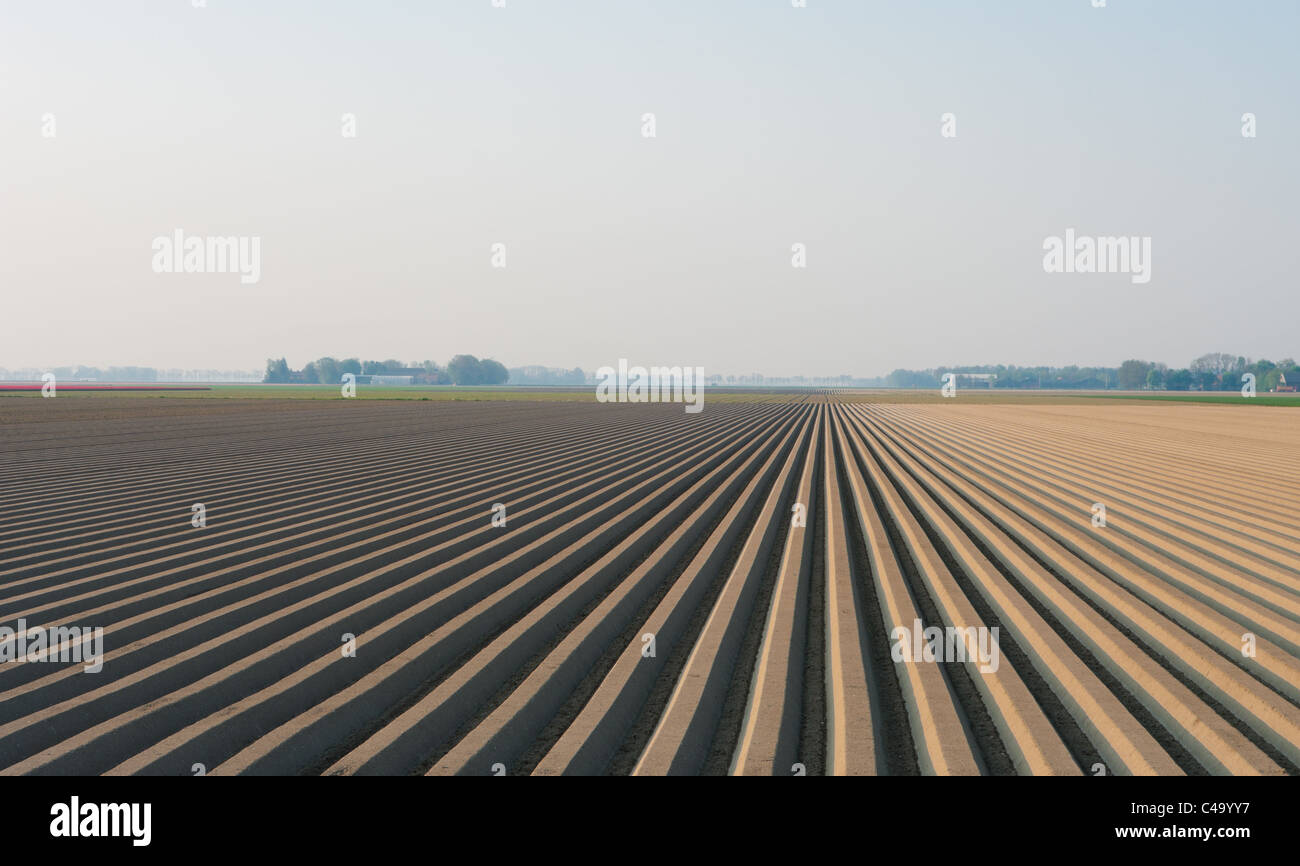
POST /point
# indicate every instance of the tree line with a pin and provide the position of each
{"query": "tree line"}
(460, 370)
(1216, 371)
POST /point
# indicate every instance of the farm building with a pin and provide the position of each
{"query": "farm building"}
(976, 380)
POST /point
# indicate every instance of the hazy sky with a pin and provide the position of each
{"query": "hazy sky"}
(522, 125)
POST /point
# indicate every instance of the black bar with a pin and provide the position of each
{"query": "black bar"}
(871, 816)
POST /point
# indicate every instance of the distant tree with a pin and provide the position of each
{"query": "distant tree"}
(537, 375)
(1217, 363)
(328, 371)
(913, 379)
(310, 374)
(1179, 380)
(391, 365)
(1287, 367)
(277, 371)
(350, 365)
(1133, 374)
(434, 375)
(492, 372)
(465, 370)
(1155, 378)
(1016, 377)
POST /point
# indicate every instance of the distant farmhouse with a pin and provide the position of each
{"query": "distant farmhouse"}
(397, 376)
(393, 376)
(976, 380)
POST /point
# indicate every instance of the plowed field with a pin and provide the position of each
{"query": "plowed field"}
(549, 588)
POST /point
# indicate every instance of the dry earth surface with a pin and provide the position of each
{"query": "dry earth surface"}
(652, 605)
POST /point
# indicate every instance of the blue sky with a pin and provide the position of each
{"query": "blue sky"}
(522, 125)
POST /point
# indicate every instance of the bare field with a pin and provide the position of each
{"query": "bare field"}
(669, 594)
(426, 393)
